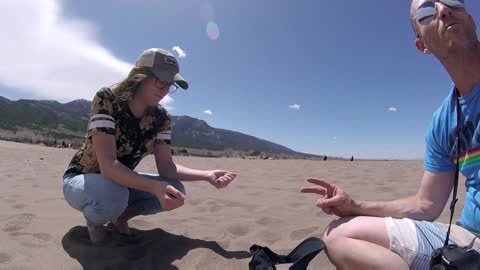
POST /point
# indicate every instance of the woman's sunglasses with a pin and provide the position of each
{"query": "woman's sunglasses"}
(426, 12)
(172, 88)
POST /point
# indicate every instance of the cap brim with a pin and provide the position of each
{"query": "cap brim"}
(181, 81)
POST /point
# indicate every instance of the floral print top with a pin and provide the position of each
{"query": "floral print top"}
(135, 137)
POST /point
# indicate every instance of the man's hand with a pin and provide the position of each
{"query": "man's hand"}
(220, 178)
(334, 201)
(170, 198)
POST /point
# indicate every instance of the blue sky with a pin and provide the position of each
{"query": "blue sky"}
(344, 62)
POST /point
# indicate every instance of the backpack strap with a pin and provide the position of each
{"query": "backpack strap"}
(264, 258)
(457, 166)
(305, 252)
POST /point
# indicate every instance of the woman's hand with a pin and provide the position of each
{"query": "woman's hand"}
(334, 201)
(170, 198)
(220, 178)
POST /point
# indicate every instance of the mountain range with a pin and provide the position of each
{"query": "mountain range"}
(68, 121)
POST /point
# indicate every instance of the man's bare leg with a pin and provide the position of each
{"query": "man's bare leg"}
(361, 243)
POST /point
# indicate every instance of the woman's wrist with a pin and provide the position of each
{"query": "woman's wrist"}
(205, 175)
(155, 187)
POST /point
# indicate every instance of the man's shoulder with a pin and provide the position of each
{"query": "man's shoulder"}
(442, 115)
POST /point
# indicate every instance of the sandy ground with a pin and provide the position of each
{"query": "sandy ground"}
(214, 230)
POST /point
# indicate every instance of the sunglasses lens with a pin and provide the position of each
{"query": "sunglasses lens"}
(425, 13)
(426, 20)
(454, 3)
(172, 88)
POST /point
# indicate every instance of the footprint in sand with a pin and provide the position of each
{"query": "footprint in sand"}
(268, 221)
(302, 233)
(238, 229)
(241, 186)
(4, 257)
(194, 201)
(18, 206)
(295, 205)
(201, 209)
(42, 236)
(247, 207)
(213, 207)
(268, 237)
(17, 222)
(48, 199)
(32, 239)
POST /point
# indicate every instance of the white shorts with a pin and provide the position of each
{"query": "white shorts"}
(415, 241)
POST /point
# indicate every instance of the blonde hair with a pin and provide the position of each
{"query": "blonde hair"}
(125, 90)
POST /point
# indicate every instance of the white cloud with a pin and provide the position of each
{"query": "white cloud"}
(334, 138)
(208, 112)
(45, 55)
(295, 107)
(181, 53)
(392, 109)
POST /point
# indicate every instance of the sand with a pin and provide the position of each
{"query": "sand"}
(214, 230)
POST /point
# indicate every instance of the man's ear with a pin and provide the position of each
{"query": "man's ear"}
(421, 46)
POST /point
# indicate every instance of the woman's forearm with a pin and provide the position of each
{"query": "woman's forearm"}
(189, 174)
(120, 174)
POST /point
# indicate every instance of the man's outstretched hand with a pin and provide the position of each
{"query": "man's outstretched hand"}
(334, 201)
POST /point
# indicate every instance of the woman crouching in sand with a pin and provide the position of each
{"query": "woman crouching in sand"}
(127, 123)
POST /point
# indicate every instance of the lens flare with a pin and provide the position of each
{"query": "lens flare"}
(213, 32)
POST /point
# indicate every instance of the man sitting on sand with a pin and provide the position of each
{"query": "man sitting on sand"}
(126, 125)
(401, 234)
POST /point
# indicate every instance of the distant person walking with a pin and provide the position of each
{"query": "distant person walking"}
(325, 158)
(126, 124)
(352, 159)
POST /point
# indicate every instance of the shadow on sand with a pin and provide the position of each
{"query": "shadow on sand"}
(152, 249)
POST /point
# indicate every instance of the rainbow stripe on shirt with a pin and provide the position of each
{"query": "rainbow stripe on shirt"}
(469, 159)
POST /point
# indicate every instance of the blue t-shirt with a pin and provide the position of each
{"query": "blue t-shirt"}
(440, 154)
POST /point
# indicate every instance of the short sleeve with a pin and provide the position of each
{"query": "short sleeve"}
(163, 126)
(437, 156)
(101, 117)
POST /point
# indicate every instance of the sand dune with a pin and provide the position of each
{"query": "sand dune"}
(214, 230)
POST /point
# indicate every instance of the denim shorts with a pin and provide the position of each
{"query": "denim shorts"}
(102, 200)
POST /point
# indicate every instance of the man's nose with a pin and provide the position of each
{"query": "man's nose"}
(444, 11)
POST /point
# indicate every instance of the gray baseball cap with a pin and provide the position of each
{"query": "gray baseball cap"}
(163, 64)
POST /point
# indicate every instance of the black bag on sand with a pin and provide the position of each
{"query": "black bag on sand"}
(265, 259)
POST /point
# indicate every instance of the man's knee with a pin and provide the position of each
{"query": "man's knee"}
(337, 229)
(370, 229)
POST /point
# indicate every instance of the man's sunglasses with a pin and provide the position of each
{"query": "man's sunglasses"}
(426, 12)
